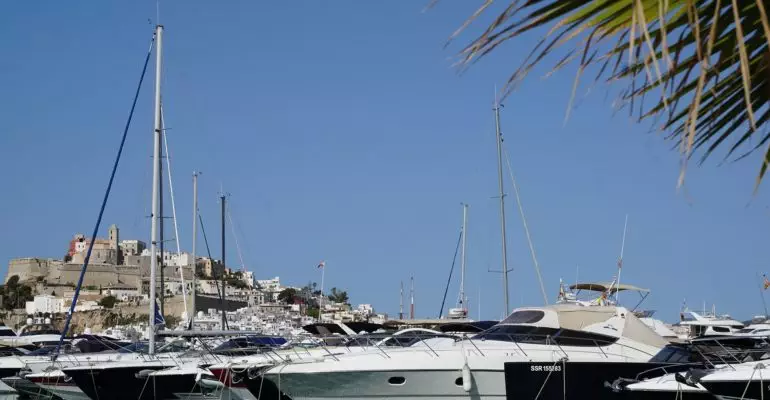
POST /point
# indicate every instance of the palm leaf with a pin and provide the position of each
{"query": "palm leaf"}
(704, 63)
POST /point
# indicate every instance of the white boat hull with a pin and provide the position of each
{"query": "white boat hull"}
(417, 384)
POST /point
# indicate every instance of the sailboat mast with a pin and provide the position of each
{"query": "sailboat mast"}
(194, 239)
(401, 303)
(224, 267)
(162, 265)
(155, 180)
(499, 136)
(462, 259)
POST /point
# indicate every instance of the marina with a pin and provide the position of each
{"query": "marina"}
(267, 313)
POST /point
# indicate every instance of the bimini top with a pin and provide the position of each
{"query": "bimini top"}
(606, 320)
(603, 286)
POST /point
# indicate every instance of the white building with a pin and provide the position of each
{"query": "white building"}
(365, 310)
(132, 247)
(173, 259)
(86, 305)
(270, 285)
(46, 304)
(248, 278)
(123, 292)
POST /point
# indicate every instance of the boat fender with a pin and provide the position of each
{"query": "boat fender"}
(144, 374)
(211, 384)
(467, 380)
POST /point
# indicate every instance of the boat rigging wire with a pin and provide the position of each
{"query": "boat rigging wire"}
(526, 227)
(104, 201)
(449, 280)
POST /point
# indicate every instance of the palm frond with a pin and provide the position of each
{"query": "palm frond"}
(707, 62)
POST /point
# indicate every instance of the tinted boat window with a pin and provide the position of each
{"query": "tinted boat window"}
(7, 332)
(542, 335)
(672, 354)
(524, 317)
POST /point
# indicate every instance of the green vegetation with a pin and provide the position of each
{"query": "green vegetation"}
(287, 295)
(15, 294)
(313, 312)
(108, 302)
(339, 296)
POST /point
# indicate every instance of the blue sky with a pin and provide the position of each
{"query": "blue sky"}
(342, 132)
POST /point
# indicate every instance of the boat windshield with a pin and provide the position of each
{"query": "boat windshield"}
(544, 335)
(7, 332)
(138, 347)
(39, 330)
(10, 351)
(48, 350)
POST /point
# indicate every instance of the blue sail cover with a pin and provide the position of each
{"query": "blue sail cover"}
(159, 320)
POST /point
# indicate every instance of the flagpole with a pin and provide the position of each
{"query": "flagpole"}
(762, 291)
(321, 300)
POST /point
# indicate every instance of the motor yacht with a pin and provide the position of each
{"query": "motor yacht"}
(536, 352)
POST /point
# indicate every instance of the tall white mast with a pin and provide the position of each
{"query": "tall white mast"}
(499, 137)
(194, 238)
(156, 160)
(462, 299)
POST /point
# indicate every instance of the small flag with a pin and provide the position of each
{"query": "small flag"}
(766, 284)
(159, 320)
(321, 265)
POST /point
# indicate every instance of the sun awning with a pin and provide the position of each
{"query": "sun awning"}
(602, 287)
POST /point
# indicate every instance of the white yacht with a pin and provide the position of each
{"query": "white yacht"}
(668, 386)
(693, 325)
(742, 381)
(536, 351)
(240, 377)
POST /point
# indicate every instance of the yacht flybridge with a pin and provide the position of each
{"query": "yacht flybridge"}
(578, 347)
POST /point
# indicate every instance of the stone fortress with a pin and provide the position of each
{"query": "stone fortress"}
(113, 263)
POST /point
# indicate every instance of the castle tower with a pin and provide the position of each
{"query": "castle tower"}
(114, 237)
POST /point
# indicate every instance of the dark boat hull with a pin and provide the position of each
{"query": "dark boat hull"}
(592, 380)
(119, 383)
(739, 389)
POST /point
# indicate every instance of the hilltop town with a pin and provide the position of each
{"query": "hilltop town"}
(118, 279)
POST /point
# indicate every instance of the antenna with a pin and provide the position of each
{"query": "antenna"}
(411, 306)
(461, 298)
(401, 304)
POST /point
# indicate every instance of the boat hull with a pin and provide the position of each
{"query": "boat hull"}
(65, 391)
(28, 389)
(516, 381)
(736, 389)
(120, 383)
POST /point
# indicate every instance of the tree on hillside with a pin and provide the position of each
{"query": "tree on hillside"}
(15, 294)
(339, 296)
(685, 64)
(287, 295)
(108, 301)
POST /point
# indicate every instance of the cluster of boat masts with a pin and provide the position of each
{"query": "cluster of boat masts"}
(586, 345)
